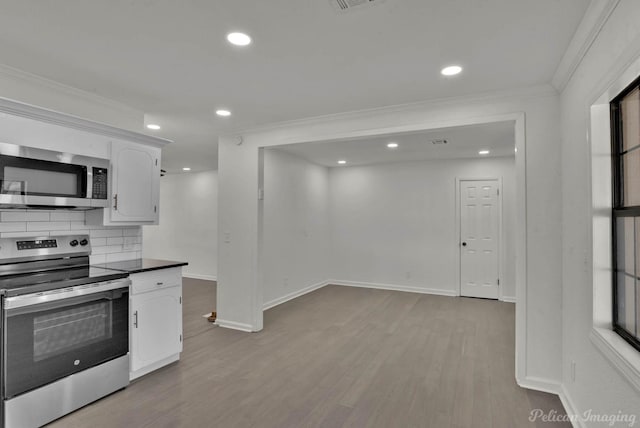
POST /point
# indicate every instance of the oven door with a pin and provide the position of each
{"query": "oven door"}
(51, 335)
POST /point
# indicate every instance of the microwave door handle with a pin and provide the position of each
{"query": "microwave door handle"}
(64, 302)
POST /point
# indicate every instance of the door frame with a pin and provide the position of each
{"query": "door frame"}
(501, 273)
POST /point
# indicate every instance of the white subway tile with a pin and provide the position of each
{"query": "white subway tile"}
(105, 233)
(108, 249)
(79, 225)
(68, 232)
(20, 215)
(23, 234)
(97, 259)
(117, 257)
(67, 216)
(97, 242)
(115, 241)
(48, 225)
(13, 227)
(132, 231)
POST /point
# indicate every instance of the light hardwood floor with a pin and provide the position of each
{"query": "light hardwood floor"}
(337, 357)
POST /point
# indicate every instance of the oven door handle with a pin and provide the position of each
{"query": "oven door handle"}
(27, 303)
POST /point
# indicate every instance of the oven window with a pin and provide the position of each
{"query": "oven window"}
(36, 181)
(64, 331)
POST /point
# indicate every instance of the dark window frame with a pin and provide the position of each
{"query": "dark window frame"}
(618, 209)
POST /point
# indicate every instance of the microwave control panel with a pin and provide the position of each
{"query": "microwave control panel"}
(100, 177)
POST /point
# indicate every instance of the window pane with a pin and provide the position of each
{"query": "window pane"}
(625, 244)
(631, 178)
(626, 301)
(630, 108)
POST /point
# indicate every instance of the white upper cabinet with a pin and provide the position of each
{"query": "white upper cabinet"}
(134, 186)
(135, 183)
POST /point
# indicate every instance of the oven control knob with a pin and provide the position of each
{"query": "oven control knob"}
(74, 243)
(84, 242)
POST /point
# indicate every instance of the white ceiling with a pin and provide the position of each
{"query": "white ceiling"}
(462, 142)
(170, 58)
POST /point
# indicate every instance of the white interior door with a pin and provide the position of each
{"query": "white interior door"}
(479, 238)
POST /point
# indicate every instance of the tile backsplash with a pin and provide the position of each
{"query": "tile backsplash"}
(108, 243)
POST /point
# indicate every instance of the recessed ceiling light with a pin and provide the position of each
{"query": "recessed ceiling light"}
(451, 70)
(483, 152)
(392, 145)
(153, 126)
(224, 113)
(186, 168)
(239, 39)
(342, 162)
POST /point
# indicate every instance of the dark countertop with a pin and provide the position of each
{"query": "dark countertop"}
(141, 265)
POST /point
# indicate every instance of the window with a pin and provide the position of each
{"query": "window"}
(625, 150)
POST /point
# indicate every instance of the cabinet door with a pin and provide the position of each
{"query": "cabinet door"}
(156, 330)
(135, 183)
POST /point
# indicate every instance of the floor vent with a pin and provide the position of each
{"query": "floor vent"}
(347, 5)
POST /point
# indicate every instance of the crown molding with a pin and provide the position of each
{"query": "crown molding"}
(592, 22)
(28, 111)
(528, 92)
(35, 80)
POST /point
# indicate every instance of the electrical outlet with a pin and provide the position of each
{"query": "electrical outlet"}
(227, 237)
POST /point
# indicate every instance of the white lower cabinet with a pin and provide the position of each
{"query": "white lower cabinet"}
(156, 320)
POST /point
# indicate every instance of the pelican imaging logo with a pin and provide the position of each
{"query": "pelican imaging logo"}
(612, 419)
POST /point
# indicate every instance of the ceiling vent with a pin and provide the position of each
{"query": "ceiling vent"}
(441, 141)
(348, 5)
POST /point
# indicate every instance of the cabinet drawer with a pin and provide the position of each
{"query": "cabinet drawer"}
(155, 279)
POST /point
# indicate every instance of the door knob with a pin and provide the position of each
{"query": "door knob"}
(464, 244)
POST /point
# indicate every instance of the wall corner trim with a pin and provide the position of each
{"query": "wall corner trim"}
(592, 22)
(392, 287)
(540, 384)
(198, 276)
(280, 300)
(570, 408)
(234, 325)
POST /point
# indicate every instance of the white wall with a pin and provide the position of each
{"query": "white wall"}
(538, 313)
(188, 229)
(395, 224)
(295, 226)
(598, 385)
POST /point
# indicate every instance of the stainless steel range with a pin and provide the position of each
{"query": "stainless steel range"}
(64, 329)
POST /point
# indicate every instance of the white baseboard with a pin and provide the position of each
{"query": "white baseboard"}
(540, 384)
(437, 291)
(197, 276)
(234, 325)
(571, 409)
(508, 299)
(275, 302)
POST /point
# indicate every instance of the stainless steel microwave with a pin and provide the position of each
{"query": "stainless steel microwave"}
(31, 177)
